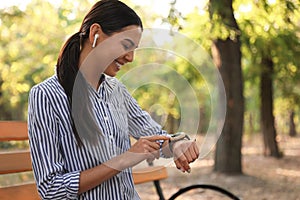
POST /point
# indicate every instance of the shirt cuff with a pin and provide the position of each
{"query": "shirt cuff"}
(71, 183)
(162, 155)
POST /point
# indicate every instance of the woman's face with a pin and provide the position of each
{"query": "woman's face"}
(128, 42)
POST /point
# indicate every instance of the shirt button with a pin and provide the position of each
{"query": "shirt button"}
(106, 118)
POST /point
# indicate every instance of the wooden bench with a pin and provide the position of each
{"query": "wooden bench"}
(20, 161)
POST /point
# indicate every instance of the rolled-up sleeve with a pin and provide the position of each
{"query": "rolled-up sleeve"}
(52, 179)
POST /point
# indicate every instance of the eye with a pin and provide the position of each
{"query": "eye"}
(127, 44)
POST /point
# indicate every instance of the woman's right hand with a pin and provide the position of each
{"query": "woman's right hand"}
(147, 147)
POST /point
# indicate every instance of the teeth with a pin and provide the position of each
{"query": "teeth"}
(119, 65)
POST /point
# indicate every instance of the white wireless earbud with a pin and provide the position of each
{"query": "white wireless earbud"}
(95, 40)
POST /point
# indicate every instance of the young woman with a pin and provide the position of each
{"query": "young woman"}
(80, 119)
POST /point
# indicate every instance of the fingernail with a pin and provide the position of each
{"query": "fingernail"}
(189, 171)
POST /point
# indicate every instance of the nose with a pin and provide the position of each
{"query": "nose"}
(129, 56)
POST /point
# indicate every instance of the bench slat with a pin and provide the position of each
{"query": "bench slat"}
(13, 130)
(29, 191)
(13, 162)
(149, 174)
(20, 192)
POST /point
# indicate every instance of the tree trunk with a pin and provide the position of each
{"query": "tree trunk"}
(267, 117)
(227, 56)
(292, 131)
(251, 125)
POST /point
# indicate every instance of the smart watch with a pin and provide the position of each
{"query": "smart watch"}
(177, 137)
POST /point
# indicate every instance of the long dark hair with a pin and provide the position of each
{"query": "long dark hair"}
(112, 16)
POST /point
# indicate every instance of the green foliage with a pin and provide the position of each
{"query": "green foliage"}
(200, 21)
(175, 18)
(30, 43)
(267, 28)
(270, 29)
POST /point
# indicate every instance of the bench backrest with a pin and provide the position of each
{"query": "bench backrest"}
(16, 161)
(20, 161)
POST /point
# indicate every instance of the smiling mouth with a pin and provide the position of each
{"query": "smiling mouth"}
(119, 65)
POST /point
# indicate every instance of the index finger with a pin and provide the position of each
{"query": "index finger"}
(156, 137)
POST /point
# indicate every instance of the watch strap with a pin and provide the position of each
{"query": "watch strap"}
(177, 137)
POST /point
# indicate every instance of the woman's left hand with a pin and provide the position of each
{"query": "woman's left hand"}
(184, 153)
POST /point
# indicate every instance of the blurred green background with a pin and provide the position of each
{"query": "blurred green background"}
(32, 35)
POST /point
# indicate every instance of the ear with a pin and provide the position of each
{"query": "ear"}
(96, 29)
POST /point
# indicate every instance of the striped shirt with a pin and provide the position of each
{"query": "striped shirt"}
(57, 160)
